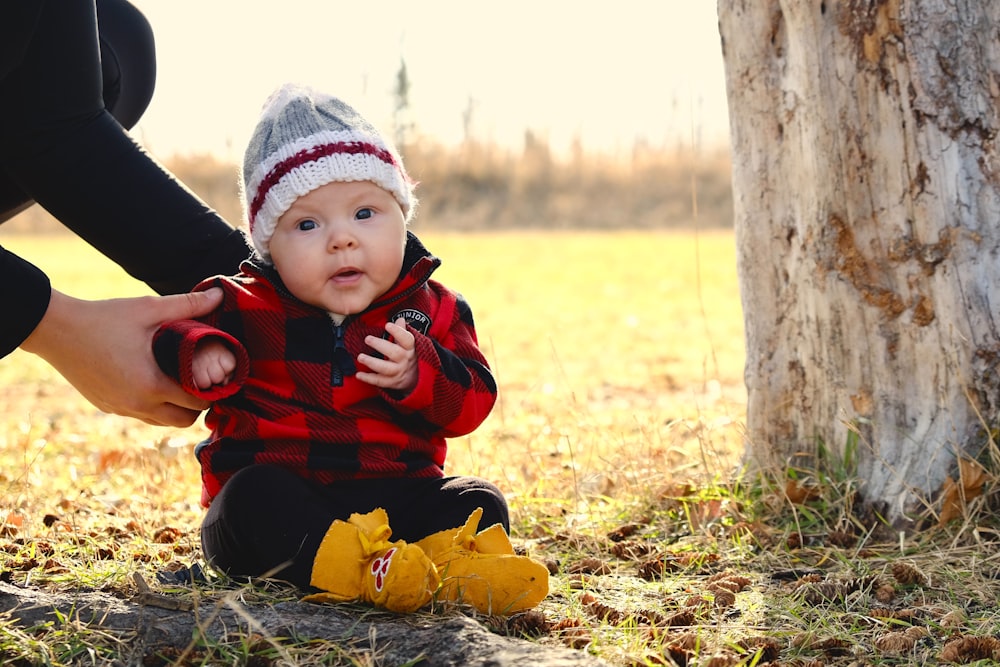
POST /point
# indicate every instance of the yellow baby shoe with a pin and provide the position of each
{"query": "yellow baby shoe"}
(481, 569)
(356, 562)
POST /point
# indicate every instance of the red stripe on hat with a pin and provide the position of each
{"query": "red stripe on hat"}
(280, 170)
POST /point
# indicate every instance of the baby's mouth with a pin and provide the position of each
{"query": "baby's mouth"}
(348, 273)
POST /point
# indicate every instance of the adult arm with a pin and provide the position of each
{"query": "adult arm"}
(24, 296)
(118, 198)
(60, 147)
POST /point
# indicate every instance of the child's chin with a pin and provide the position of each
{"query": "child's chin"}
(340, 309)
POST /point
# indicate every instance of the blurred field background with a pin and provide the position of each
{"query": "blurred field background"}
(605, 294)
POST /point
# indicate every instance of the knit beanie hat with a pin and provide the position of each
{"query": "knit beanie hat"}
(304, 140)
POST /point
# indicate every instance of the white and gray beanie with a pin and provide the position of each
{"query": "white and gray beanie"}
(304, 140)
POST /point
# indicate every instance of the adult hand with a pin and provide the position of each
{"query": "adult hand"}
(104, 349)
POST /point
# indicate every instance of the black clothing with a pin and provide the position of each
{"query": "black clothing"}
(72, 73)
(267, 517)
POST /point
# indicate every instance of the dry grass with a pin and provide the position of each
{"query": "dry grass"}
(486, 187)
(618, 437)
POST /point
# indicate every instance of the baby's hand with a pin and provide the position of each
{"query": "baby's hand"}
(213, 363)
(398, 370)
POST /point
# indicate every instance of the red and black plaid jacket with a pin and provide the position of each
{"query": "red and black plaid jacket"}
(295, 401)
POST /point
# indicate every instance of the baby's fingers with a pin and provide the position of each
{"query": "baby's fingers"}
(386, 348)
(400, 334)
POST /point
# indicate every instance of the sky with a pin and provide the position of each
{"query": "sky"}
(649, 69)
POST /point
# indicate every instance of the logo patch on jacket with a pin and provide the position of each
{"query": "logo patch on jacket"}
(414, 318)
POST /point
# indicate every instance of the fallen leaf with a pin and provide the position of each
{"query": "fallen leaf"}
(955, 496)
(799, 493)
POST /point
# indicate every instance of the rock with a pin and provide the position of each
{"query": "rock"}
(429, 640)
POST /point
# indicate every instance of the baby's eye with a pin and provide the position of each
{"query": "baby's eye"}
(306, 225)
(364, 214)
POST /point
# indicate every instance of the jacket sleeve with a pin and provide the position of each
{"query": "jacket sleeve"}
(174, 346)
(455, 389)
(24, 297)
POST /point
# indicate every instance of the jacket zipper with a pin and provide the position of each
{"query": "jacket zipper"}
(342, 363)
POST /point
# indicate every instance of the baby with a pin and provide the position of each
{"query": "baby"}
(337, 367)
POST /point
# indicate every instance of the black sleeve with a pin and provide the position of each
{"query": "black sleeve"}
(17, 24)
(24, 293)
(60, 147)
(118, 198)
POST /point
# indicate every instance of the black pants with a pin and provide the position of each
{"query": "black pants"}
(266, 516)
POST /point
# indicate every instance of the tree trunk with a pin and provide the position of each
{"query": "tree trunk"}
(866, 187)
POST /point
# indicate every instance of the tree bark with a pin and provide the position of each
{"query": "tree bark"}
(866, 188)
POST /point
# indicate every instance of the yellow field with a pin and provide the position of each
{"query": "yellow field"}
(619, 357)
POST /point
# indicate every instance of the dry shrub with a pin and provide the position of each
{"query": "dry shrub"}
(480, 186)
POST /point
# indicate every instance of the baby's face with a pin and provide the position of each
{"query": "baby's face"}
(341, 246)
